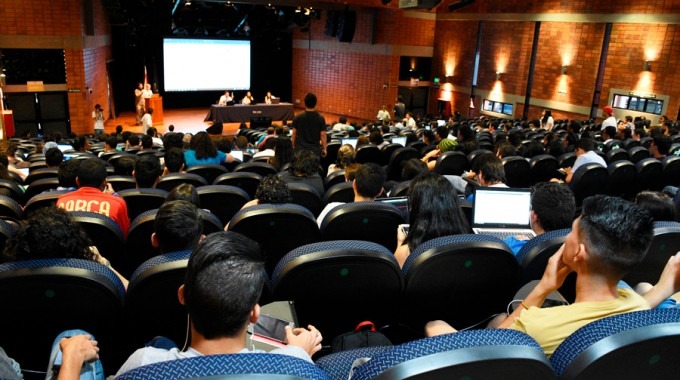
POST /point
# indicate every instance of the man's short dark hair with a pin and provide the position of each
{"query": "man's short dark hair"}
(617, 233)
(554, 205)
(91, 173)
(174, 159)
(270, 143)
(442, 132)
(586, 144)
(172, 140)
(310, 101)
(184, 192)
(54, 157)
(663, 144)
(490, 167)
(67, 173)
(125, 165)
(112, 141)
(151, 131)
(223, 283)
(147, 170)
(134, 141)
(610, 132)
(305, 163)
(147, 142)
(178, 226)
(369, 180)
(79, 143)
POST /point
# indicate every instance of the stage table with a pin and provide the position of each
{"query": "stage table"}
(242, 113)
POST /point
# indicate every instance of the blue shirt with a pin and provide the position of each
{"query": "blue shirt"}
(515, 244)
(190, 159)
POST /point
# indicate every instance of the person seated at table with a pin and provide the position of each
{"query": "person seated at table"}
(268, 98)
(248, 99)
(226, 98)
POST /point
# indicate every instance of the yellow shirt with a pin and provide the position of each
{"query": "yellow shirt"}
(550, 326)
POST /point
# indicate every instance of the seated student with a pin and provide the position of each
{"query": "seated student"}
(268, 150)
(434, 211)
(66, 175)
(368, 183)
(147, 143)
(607, 241)
(345, 157)
(95, 195)
(224, 279)
(272, 190)
(552, 208)
(54, 157)
(444, 145)
(51, 233)
(204, 152)
(305, 169)
(124, 166)
(178, 227)
(132, 143)
(585, 154)
(184, 192)
(147, 171)
(110, 144)
(660, 147)
(174, 161)
(658, 204)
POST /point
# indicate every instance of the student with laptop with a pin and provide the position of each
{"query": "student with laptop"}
(552, 208)
(434, 212)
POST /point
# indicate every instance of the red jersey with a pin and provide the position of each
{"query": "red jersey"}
(93, 200)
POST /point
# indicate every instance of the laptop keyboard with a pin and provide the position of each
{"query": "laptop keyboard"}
(502, 234)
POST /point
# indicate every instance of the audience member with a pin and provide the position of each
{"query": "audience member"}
(174, 161)
(54, 157)
(203, 152)
(66, 175)
(305, 169)
(434, 212)
(367, 185)
(94, 195)
(660, 147)
(147, 171)
(223, 283)
(553, 207)
(345, 157)
(178, 226)
(283, 153)
(184, 192)
(659, 205)
(607, 241)
(124, 166)
(585, 154)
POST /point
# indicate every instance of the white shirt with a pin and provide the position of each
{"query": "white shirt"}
(340, 127)
(587, 158)
(383, 115)
(147, 93)
(329, 207)
(246, 100)
(609, 122)
(98, 119)
(411, 123)
(265, 153)
(224, 99)
(549, 124)
(146, 122)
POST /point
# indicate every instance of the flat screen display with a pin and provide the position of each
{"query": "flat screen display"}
(206, 65)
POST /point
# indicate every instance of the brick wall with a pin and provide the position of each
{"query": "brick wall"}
(567, 6)
(35, 24)
(349, 79)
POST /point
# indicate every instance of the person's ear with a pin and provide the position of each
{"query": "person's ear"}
(180, 294)
(255, 314)
(154, 240)
(200, 239)
(77, 181)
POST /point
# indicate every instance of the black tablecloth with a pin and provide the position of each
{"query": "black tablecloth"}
(241, 113)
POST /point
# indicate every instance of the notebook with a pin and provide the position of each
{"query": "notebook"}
(502, 212)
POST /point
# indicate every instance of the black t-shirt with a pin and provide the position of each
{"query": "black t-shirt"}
(309, 126)
(399, 111)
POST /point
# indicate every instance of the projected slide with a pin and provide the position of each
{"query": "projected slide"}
(206, 65)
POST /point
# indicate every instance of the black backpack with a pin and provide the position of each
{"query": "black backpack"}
(364, 335)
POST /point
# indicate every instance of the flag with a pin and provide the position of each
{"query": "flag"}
(146, 77)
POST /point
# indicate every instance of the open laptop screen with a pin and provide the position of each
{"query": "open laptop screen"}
(501, 207)
(399, 140)
(399, 202)
(237, 154)
(349, 140)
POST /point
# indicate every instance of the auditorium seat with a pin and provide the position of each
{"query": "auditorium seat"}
(451, 163)
(337, 284)
(211, 223)
(305, 195)
(400, 189)
(630, 143)
(638, 153)
(223, 201)
(37, 165)
(121, 182)
(138, 246)
(543, 168)
(41, 173)
(517, 171)
(342, 192)
(665, 244)
(646, 141)
(140, 200)
(368, 153)
(331, 154)
(170, 181)
(612, 145)
(43, 200)
(10, 209)
(534, 255)
(104, 233)
(339, 364)
(671, 171)
(566, 160)
(650, 174)
(279, 228)
(589, 179)
(334, 178)
(396, 162)
(417, 145)
(638, 345)
(152, 307)
(369, 221)
(474, 354)
(41, 185)
(443, 274)
(208, 172)
(246, 181)
(622, 179)
(475, 154)
(617, 155)
(387, 152)
(13, 189)
(234, 366)
(261, 168)
(7, 230)
(42, 298)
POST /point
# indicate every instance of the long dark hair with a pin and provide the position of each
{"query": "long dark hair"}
(283, 152)
(203, 146)
(547, 115)
(434, 210)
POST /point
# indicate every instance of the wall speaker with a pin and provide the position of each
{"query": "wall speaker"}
(347, 26)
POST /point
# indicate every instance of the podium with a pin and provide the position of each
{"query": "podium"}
(155, 102)
(8, 123)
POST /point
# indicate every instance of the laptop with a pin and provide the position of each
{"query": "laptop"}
(399, 140)
(237, 154)
(399, 202)
(349, 140)
(276, 100)
(502, 212)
